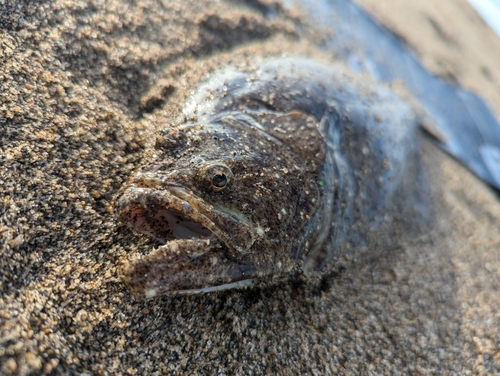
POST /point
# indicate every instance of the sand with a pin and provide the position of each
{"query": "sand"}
(85, 84)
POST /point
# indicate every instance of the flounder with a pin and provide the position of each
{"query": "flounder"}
(279, 170)
(273, 172)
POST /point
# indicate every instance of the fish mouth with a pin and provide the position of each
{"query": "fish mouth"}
(200, 253)
(174, 213)
(164, 216)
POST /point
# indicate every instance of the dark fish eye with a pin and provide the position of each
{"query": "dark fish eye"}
(215, 177)
(219, 180)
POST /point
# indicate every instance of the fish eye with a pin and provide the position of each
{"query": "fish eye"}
(219, 180)
(215, 177)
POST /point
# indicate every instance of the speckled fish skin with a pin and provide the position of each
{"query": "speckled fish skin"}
(273, 172)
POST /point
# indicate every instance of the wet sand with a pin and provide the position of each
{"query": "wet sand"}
(84, 87)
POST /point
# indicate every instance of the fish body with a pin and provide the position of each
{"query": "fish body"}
(461, 121)
(282, 169)
(271, 172)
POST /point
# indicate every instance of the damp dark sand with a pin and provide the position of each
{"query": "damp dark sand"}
(84, 85)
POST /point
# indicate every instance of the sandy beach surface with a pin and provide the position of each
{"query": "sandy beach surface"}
(83, 87)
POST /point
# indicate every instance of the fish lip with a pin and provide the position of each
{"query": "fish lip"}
(142, 197)
(166, 271)
(154, 291)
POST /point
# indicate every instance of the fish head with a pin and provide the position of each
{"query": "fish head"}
(227, 201)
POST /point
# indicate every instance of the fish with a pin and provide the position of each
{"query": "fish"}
(279, 171)
(273, 172)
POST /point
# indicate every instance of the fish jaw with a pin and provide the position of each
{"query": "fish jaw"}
(185, 266)
(173, 213)
(202, 246)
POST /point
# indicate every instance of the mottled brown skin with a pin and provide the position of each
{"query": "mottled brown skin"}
(269, 172)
